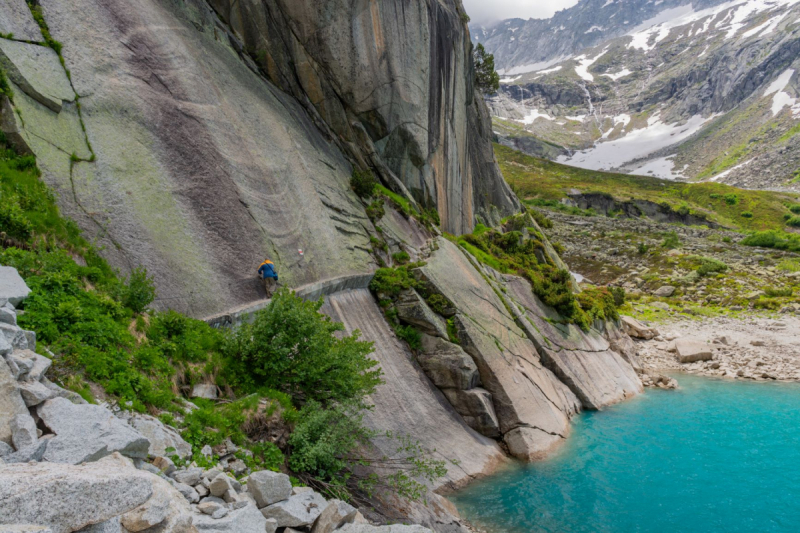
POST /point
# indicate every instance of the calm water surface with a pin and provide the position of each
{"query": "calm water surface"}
(714, 456)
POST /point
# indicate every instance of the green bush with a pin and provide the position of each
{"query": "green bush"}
(773, 292)
(140, 290)
(618, 293)
(411, 335)
(293, 348)
(731, 199)
(773, 239)
(363, 183)
(401, 258)
(795, 208)
(794, 222)
(710, 266)
(746, 214)
(541, 219)
(671, 241)
(392, 281)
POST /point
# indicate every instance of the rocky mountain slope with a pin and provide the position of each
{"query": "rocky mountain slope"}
(525, 45)
(194, 138)
(187, 157)
(696, 92)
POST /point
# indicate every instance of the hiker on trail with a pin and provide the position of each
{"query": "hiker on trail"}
(269, 275)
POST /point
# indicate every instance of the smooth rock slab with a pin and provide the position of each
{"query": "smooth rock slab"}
(245, 520)
(664, 292)
(636, 329)
(24, 528)
(16, 19)
(166, 509)
(690, 350)
(33, 393)
(297, 511)
(12, 286)
(67, 498)
(109, 526)
(87, 432)
(269, 487)
(412, 309)
(37, 71)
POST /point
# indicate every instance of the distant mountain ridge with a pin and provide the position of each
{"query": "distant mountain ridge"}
(693, 92)
(524, 45)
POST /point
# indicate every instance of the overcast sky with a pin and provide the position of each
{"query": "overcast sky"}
(490, 10)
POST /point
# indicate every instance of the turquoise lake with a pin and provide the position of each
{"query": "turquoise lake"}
(713, 456)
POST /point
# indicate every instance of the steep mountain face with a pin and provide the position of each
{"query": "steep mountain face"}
(393, 83)
(525, 45)
(184, 158)
(706, 94)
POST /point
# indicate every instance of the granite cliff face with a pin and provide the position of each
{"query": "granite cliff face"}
(184, 158)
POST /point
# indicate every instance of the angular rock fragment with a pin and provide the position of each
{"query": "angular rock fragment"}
(690, 350)
(12, 286)
(11, 403)
(335, 515)
(269, 487)
(245, 520)
(475, 406)
(412, 309)
(87, 432)
(297, 511)
(16, 19)
(23, 431)
(447, 365)
(36, 70)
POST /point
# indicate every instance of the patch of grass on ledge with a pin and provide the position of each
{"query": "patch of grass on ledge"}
(544, 181)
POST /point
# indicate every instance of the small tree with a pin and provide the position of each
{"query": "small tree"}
(486, 79)
(140, 290)
(293, 348)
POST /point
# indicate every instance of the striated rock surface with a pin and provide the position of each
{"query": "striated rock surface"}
(393, 80)
(527, 396)
(584, 361)
(11, 402)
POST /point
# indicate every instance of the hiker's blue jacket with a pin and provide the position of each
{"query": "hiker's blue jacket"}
(267, 270)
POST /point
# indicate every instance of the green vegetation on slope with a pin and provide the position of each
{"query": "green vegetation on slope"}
(291, 367)
(521, 251)
(537, 179)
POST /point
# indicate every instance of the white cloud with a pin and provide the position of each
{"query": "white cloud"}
(482, 11)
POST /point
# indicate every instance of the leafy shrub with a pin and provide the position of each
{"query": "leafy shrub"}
(618, 293)
(773, 239)
(376, 210)
(731, 199)
(794, 222)
(401, 257)
(392, 281)
(293, 348)
(438, 303)
(710, 266)
(411, 335)
(795, 208)
(671, 241)
(773, 292)
(140, 290)
(642, 248)
(328, 444)
(363, 183)
(746, 214)
(486, 79)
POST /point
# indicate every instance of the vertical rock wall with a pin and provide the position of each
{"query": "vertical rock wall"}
(392, 82)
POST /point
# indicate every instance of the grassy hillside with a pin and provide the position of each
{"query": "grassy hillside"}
(535, 180)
